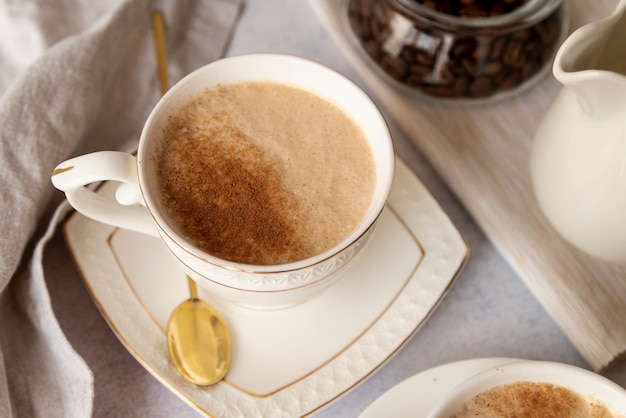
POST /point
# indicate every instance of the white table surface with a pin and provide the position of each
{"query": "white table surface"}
(488, 312)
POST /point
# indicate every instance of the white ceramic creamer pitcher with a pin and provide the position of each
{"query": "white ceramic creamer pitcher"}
(578, 161)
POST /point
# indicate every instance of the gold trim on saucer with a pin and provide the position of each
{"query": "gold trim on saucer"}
(257, 395)
(437, 258)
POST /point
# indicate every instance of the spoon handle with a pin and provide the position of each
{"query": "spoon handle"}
(158, 26)
(193, 288)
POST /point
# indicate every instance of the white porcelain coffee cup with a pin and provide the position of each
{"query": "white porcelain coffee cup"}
(137, 205)
(587, 384)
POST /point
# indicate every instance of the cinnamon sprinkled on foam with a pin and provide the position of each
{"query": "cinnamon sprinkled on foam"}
(531, 400)
(263, 173)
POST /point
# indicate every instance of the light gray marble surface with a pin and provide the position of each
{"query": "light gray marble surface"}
(488, 312)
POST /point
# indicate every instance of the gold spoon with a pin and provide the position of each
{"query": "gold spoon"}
(197, 336)
(198, 340)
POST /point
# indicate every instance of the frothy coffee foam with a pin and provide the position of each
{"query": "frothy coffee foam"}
(532, 400)
(263, 173)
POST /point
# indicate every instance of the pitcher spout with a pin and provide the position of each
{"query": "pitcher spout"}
(592, 63)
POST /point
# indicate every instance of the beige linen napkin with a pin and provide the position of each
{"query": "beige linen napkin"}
(75, 76)
(483, 154)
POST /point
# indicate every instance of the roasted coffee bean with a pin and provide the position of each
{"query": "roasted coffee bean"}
(481, 87)
(514, 54)
(394, 67)
(424, 59)
(456, 61)
(510, 81)
(481, 52)
(491, 68)
(470, 66)
(497, 46)
(420, 71)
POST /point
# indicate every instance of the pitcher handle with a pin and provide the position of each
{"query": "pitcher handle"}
(127, 210)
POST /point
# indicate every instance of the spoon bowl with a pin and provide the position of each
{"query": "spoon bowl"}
(198, 340)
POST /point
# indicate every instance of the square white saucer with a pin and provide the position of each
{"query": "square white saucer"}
(292, 361)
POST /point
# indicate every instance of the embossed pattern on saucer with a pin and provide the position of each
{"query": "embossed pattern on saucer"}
(319, 349)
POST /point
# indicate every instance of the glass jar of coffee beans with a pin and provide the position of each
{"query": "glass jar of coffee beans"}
(459, 50)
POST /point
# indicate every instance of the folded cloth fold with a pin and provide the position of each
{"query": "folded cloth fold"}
(74, 77)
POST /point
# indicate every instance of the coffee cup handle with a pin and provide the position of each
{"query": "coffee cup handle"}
(127, 210)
